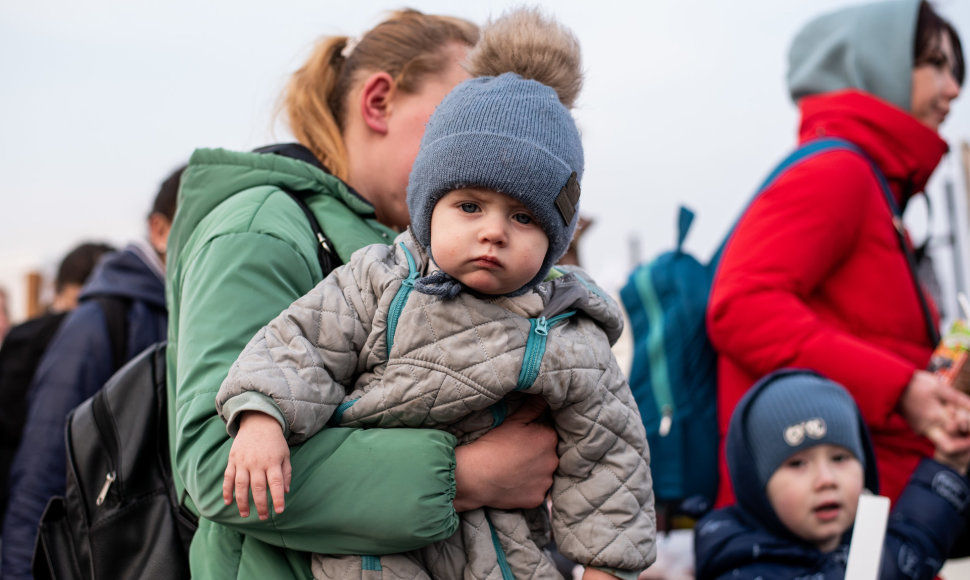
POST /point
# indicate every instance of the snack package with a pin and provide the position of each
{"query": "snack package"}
(949, 360)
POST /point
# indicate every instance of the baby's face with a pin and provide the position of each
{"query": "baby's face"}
(815, 493)
(486, 240)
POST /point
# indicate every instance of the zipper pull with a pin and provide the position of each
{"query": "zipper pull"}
(666, 420)
(542, 326)
(108, 480)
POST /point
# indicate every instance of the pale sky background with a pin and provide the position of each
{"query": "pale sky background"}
(684, 102)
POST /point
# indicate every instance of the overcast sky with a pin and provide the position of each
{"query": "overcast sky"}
(684, 103)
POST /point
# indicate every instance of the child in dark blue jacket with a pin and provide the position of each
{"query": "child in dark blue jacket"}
(799, 457)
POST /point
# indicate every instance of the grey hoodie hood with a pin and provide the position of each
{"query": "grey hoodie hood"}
(868, 47)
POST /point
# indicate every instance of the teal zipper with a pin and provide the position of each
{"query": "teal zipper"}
(662, 393)
(535, 347)
(372, 563)
(400, 299)
(338, 413)
(503, 563)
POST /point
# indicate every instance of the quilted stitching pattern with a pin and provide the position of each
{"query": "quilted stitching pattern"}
(449, 364)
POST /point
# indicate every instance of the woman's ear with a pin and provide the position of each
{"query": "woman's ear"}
(375, 99)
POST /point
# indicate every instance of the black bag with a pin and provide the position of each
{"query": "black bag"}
(120, 517)
(20, 355)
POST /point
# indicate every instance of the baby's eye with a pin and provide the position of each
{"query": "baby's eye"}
(795, 462)
(468, 207)
(840, 457)
(522, 218)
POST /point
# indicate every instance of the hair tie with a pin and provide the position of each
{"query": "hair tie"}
(349, 47)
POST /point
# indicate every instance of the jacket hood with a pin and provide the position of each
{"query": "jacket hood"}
(575, 290)
(905, 150)
(214, 175)
(867, 47)
(127, 274)
(752, 501)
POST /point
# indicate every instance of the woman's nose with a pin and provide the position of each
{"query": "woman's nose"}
(952, 90)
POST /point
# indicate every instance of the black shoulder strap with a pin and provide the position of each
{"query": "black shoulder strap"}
(115, 310)
(325, 255)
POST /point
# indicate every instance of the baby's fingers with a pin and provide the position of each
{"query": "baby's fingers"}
(242, 492)
(258, 484)
(228, 481)
(277, 485)
(287, 473)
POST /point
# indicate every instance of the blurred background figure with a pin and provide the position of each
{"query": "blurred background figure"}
(25, 344)
(4, 315)
(571, 257)
(120, 312)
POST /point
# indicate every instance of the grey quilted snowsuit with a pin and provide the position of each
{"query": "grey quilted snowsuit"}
(362, 349)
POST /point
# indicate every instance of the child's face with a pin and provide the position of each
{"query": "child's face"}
(815, 493)
(486, 240)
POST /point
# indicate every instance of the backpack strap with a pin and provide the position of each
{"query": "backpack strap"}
(325, 255)
(931, 330)
(814, 147)
(807, 150)
(115, 309)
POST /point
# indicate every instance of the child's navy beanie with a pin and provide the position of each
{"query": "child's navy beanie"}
(796, 412)
(508, 134)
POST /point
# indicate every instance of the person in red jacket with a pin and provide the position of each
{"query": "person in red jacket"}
(814, 276)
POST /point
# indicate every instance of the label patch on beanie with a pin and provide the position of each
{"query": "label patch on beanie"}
(813, 429)
(568, 198)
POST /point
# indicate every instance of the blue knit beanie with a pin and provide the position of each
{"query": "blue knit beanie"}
(799, 411)
(510, 135)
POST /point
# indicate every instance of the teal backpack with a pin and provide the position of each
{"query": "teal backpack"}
(674, 372)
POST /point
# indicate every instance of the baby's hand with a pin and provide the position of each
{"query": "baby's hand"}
(259, 457)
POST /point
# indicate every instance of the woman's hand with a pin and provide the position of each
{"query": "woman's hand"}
(511, 466)
(956, 458)
(938, 411)
(259, 459)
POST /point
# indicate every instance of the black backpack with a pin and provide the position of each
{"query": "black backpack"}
(120, 517)
(20, 355)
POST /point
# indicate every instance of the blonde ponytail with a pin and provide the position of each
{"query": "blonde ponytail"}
(408, 45)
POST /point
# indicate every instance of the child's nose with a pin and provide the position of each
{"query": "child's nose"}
(493, 230)
(824, 474)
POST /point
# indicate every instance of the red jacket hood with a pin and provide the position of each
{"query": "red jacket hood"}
(906, 150)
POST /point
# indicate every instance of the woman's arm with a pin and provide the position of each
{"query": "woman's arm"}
(343, 480)
(353, 491)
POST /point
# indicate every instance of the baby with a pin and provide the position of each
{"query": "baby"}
(450, 328)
